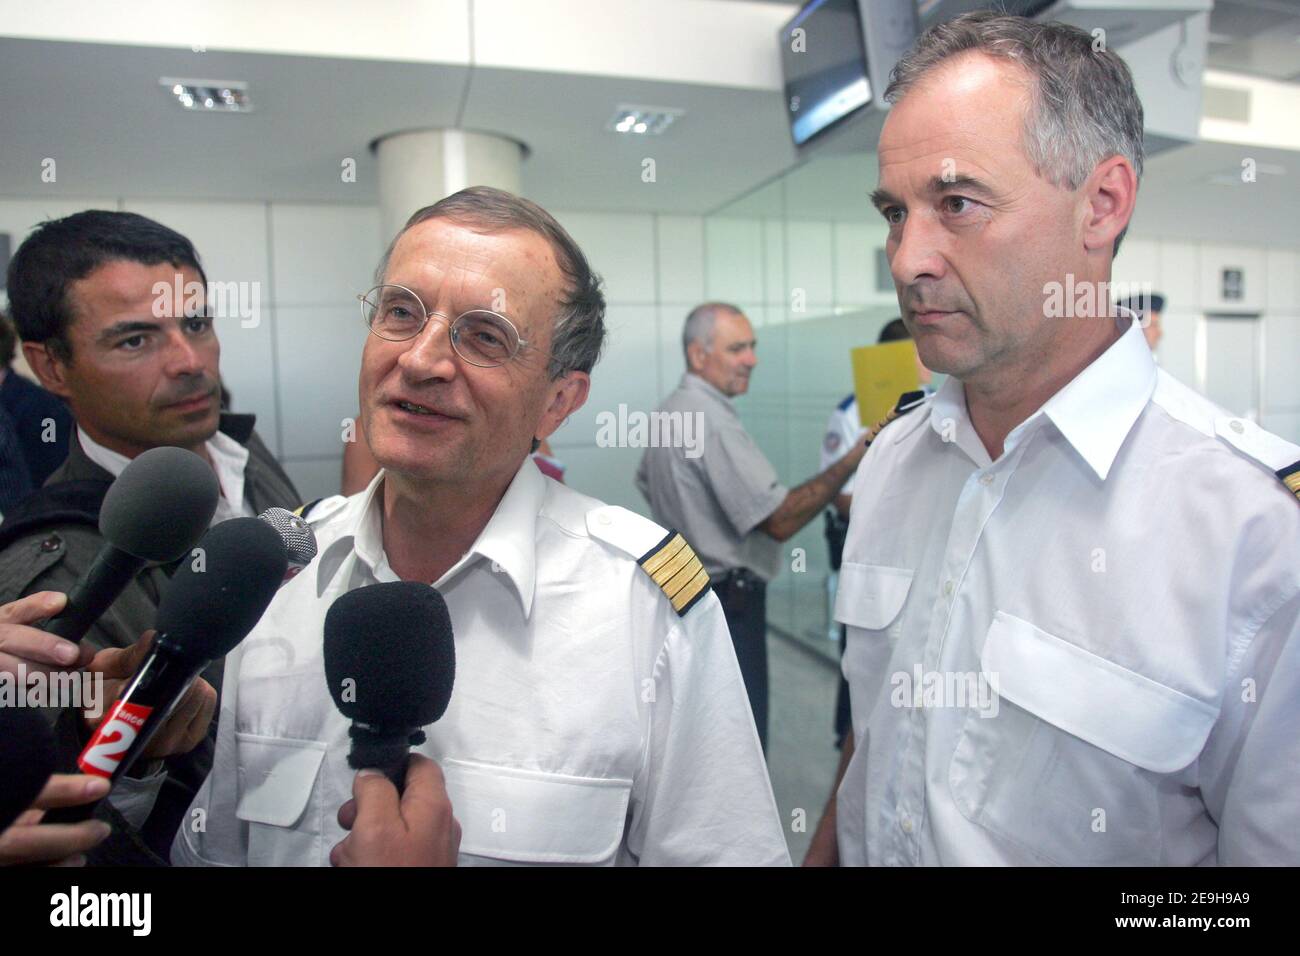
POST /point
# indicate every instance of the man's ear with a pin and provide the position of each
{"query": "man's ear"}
(568, 394)
(1111, 195)
(695, 353)
(48, 367)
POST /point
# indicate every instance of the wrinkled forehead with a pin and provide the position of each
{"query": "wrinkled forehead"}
(969, 109)
(454, 267)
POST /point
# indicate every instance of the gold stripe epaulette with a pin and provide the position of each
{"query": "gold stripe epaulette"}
(1290, 476)
(673, 565)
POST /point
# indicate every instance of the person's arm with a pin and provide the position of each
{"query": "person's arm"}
(805, 502)
(1251, 763)
(824, 849)
(842, 505)
(28, 841)
(702, 796)
(416, 828)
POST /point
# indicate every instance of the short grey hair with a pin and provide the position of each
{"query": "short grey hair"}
(580, 327)
(699, 325)
(1083, 108)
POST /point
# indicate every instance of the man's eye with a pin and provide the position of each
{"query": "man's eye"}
(132, 344)
(950, 204)
(893, 215)
(198, 324)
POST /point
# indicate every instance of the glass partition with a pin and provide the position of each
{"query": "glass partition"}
(803, 257)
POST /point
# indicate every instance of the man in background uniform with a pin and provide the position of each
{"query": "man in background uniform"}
(724, 494)
(138, 374)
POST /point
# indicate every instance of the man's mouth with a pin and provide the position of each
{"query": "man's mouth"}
(192, 403)
(414, 408)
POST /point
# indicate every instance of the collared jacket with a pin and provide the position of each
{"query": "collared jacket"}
(49, 543)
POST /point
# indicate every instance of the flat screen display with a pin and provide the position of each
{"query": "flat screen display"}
(825, 67)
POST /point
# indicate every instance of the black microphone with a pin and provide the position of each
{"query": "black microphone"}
(155, 511)
(26, 760)
(208, 607)
(390, 661)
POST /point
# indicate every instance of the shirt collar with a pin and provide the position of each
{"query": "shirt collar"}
(508, 540)
(692, 381)
(229, 459)
(1095, 412)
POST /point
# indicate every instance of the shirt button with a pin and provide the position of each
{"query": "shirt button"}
(52, 543)
(986, 479)
(603, 519)
(906, 824)
(1236, 426)
(947, 589)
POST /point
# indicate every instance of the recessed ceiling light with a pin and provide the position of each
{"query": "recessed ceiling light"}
(210, 96)
(642, 120)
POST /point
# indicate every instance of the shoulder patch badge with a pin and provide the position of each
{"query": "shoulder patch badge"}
(1290, 476)
(674, 566)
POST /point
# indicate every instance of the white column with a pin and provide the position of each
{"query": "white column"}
(418, 168)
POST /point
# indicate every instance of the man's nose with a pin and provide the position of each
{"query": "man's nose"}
(183, 355)
(430, 354)
(917, 253)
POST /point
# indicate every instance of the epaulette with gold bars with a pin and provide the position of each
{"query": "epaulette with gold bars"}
(906, 402)
(674, 566)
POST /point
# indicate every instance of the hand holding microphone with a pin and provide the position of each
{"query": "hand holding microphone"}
(209, 606)
(27, 789)
(390, 662)
(415, 828)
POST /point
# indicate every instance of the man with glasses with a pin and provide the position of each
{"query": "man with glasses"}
(598, 715)
(138, 371)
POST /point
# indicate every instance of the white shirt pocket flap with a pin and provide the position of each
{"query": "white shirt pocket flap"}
(870, 595)
(276, 777)
(526, 816)
(1121, 711)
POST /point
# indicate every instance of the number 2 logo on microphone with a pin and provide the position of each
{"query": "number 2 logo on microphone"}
(113, 738)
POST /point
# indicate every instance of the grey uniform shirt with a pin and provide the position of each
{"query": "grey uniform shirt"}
(717, 491)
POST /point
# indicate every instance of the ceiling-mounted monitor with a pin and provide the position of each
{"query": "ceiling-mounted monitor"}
(836, 56)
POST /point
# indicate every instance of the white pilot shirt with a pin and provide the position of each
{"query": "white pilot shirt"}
(1085, 652)
(843, 431)
(589, 722)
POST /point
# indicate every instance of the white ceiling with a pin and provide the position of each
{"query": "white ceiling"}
(100, 113)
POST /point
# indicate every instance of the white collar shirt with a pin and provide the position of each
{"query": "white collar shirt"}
(589, 723)
(229, 459)
(1084, 652)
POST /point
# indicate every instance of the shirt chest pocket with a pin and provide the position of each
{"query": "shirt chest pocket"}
(279, 800)
(869, 602)
(1072, 762)
(511, 816)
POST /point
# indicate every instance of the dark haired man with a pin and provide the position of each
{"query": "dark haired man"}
(41, 420)
(92, 298)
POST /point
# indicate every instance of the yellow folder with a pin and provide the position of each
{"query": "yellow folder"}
(881, 373)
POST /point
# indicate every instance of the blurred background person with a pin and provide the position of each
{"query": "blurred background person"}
(42, 422)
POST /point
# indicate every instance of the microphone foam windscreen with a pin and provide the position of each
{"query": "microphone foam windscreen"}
(217, 595)
(394, 642)
(26, 759)
(160, 504)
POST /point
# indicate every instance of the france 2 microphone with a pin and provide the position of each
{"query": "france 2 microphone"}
(390, 661)
(208, 607)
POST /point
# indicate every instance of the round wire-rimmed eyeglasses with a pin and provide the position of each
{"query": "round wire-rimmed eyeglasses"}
(479, 336)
